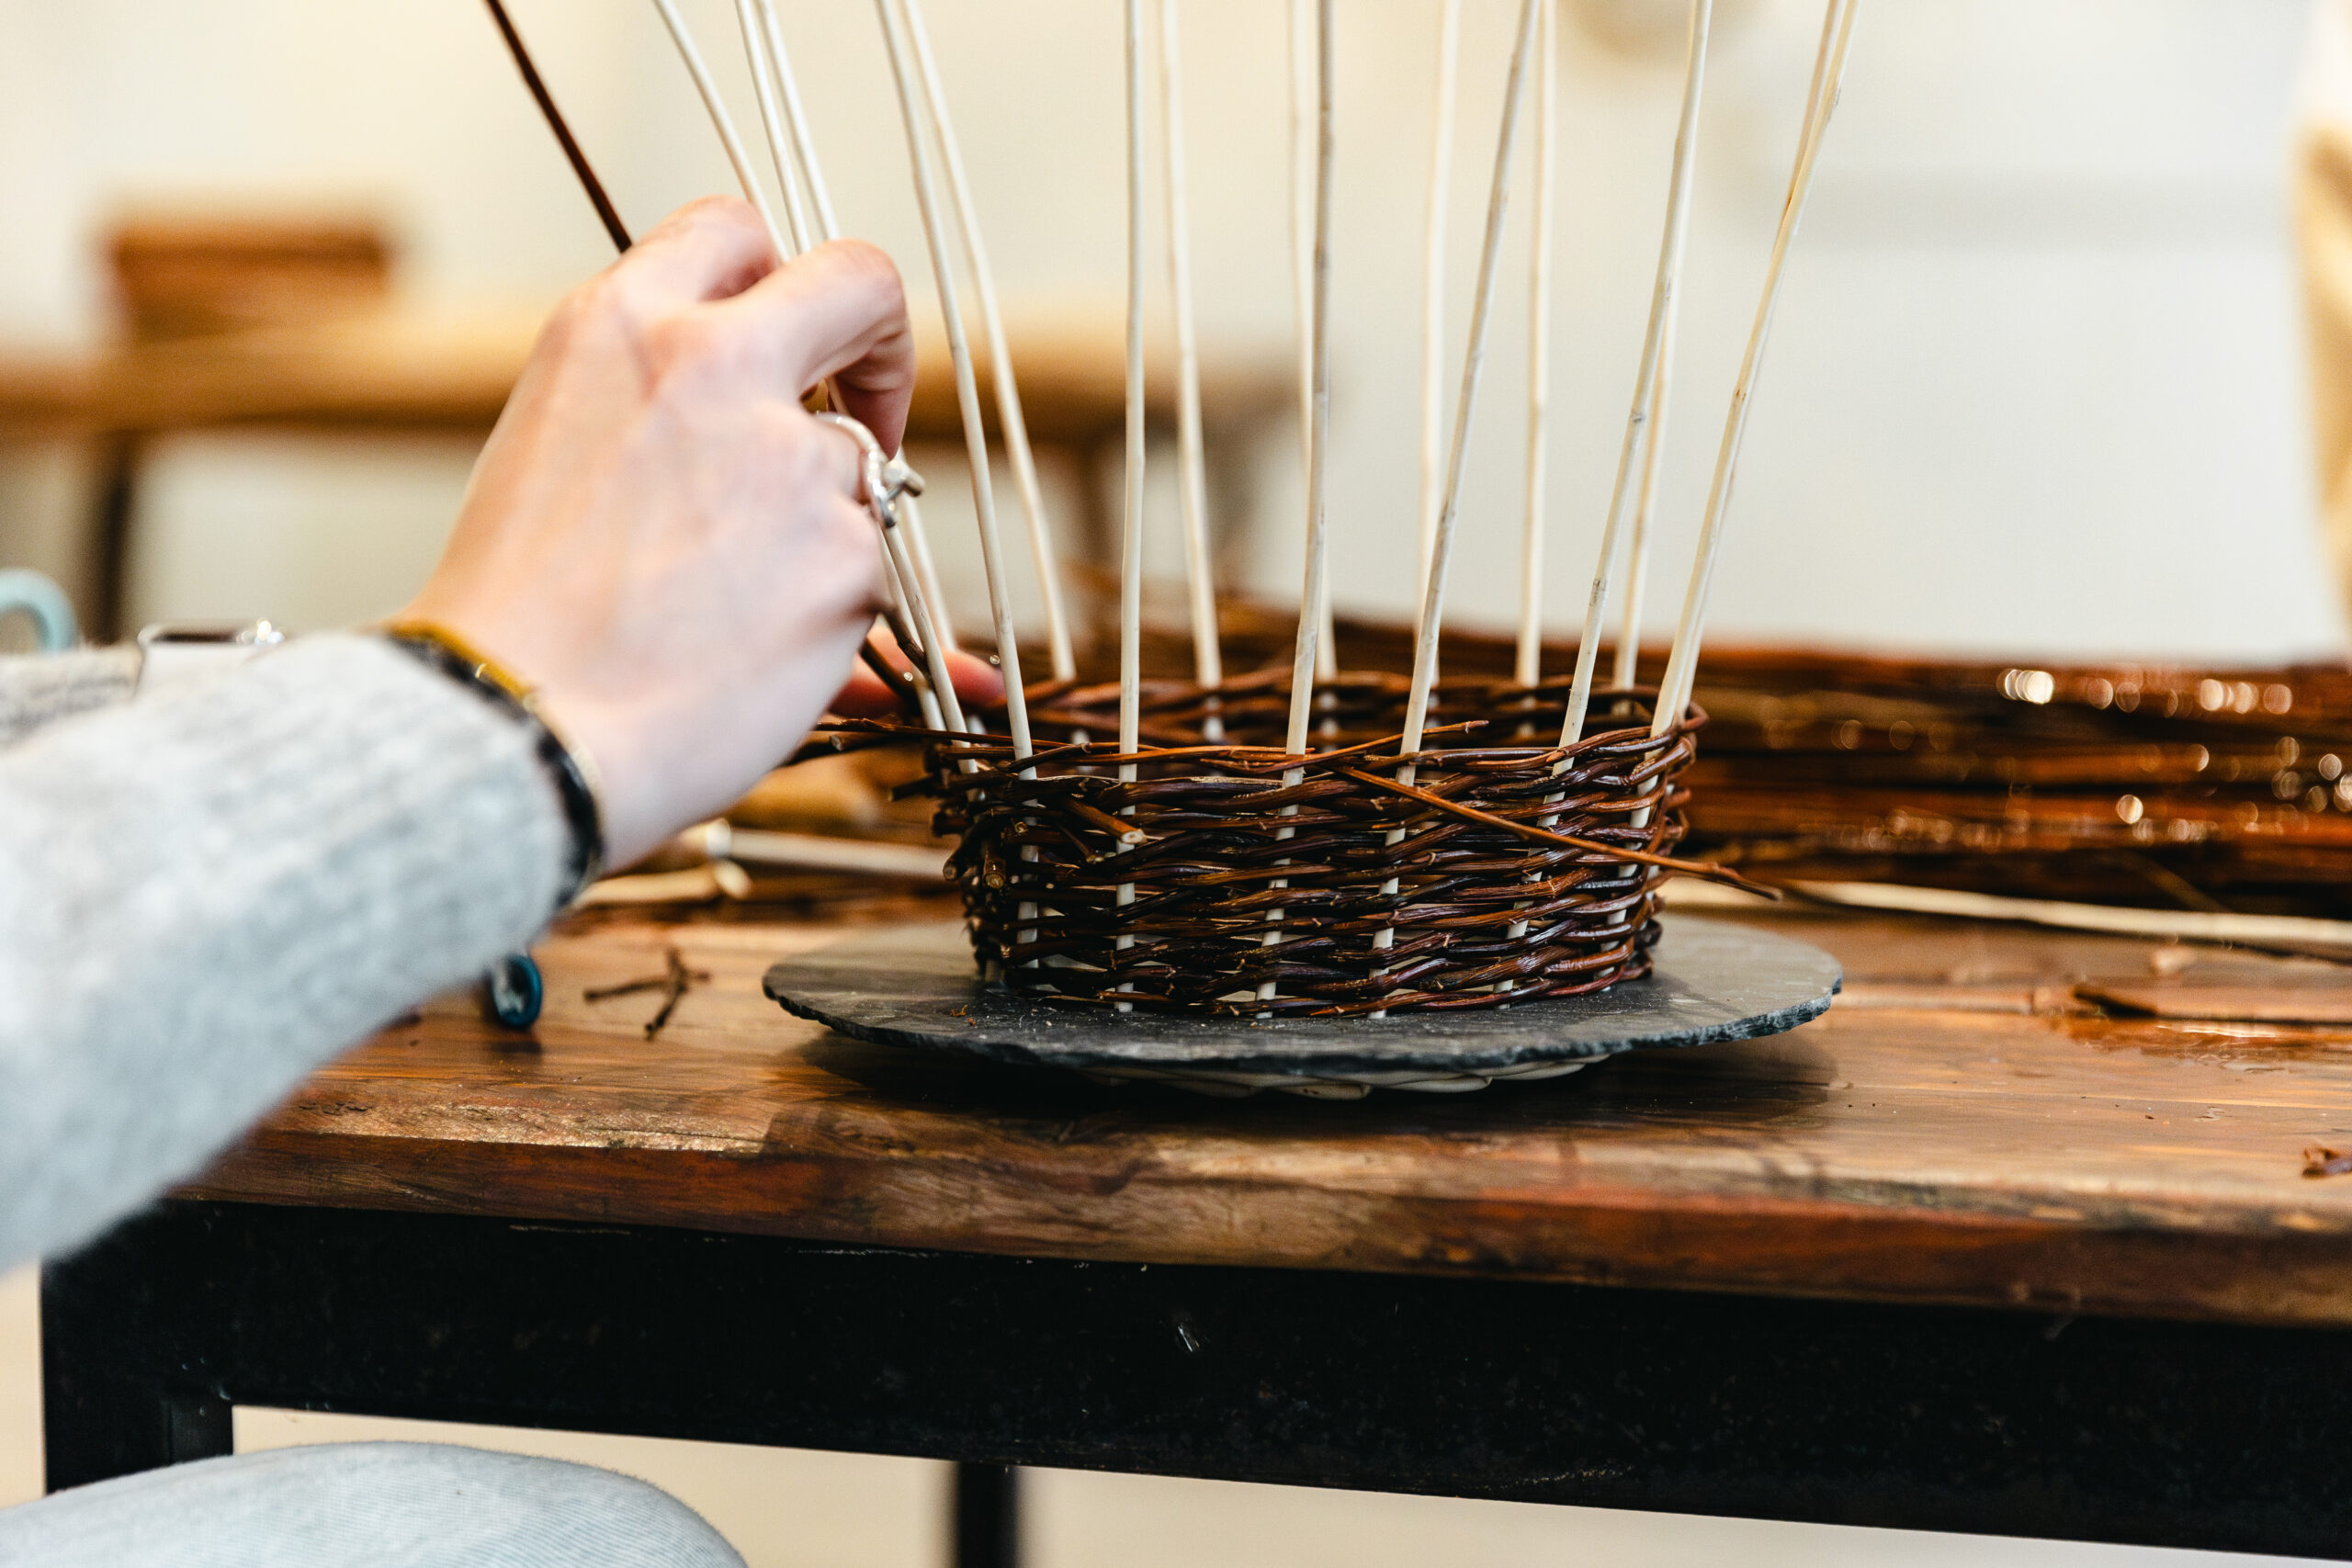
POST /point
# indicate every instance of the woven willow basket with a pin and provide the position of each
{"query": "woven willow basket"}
(1229, 878)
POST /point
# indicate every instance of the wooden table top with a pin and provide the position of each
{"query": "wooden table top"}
(1963, 1126)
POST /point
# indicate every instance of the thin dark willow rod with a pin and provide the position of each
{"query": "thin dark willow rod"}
(897, 682)
(579, 160)
(1703, 870)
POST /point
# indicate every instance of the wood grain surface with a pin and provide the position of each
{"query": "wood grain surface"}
(1965, 1125)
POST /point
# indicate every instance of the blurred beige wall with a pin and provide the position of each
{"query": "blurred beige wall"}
(2036, 382)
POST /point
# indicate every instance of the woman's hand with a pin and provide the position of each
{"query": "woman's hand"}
(660, 538)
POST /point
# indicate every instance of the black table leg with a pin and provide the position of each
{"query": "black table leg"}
(114, 504)
(105, 1414)
(988, 1516)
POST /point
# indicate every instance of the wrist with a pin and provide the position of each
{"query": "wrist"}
(570, 769)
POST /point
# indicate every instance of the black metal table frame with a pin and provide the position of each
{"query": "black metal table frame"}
(1926, 1417)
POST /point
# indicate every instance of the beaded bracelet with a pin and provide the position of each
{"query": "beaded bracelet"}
(571, 769)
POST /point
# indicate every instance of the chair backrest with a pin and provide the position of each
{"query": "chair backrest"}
(192, 275)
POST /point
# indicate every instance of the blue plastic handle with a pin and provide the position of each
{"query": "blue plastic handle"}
(53, 613)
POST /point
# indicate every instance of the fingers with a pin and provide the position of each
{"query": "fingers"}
(865, 696)
(710, 249)
(842, 459)
(978, 681)
(838, 312)
(724, 305)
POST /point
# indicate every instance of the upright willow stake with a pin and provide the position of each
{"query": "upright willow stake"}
(787, 173)
(912, 611)
(794, 149)
(766, 56)
(941, 708)
(803, 147)
(1432, 497)
(1528, 667)
(1664, 300)
(1417, 701)
(1637, 549)
(1829, 74)
(1303, 187)
(1432, 619)
(1010, 420)
(1303, 664)
(1131, 521)
(1313, 643)
(926, 569)
(1200, 566)
(723, 122)
(967, 393)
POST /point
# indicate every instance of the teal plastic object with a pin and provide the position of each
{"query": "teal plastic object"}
(513, 991)
(52, 614)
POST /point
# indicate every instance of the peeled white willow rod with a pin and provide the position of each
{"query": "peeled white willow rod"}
(907, 586)
(1528, 667)
(967, 392)
(790, 146)
(1432, 619)
(1304, 664)
(1132, 497)
(1674, 691)
(919, 545)
(940, 635)
(788, 174)
(821, 228)
(720, 120)
(1208, 665)
(1637, 421)
(1441, 183)
(1010, 420)
(1303, 91)
(1637, 557)
(1822, 55)
(1131, 518)
(820, 201)
(1637, 549)
(1417, 701)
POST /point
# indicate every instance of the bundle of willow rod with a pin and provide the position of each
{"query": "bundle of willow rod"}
(1507, 872)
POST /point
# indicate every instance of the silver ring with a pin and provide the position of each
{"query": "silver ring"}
(885, 478)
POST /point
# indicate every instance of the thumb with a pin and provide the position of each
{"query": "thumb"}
(838, 312)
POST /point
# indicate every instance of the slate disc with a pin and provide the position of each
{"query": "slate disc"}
(916, 985)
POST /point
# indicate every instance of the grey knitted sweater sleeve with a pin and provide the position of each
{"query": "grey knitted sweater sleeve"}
(205, 894)
(35, 692)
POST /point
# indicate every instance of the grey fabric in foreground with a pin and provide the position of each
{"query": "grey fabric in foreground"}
(205, 894)
(381, 1504)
